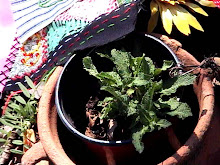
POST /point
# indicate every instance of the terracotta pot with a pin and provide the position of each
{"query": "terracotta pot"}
(47, 129)
(72, 94)
(203, 89)
(205, 93)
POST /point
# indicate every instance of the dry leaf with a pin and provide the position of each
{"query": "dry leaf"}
(29, 138)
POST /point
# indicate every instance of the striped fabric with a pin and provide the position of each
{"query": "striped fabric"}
(30, 17)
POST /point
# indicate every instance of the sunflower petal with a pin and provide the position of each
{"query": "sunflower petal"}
(194, 23)
(191, 19)
(154, 16)
(152, 22)
(153, 7)
(206, 3)
(172, 2)
(196, 8)
(166, 17)
(180, 19)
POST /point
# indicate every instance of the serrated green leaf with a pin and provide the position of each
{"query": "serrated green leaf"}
(24, 90)
(172, 103)
(148, 66)
(147, 99)
(157, 71)
(132, 108)
(20, 99)
(30, 82)
(110, 78)
(118, 95)
(166, 65)
(137, 138)
(135, 64)
(158, 85)
(130, 91)
(105, 101)
(15, 151)
(163, 123)
(122, 62)
(182, 111)
(139, 66)
(144, 116)
(104, 55)
(139, 82)
(106, 110)
(89, 66)
(171, 85)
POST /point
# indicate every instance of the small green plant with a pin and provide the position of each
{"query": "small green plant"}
(20, 115)
(139, 94)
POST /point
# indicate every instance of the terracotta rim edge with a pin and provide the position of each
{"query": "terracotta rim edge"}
(205, 93)
(47, 118)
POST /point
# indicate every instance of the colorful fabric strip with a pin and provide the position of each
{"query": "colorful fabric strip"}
(30, 17)
(104, 29)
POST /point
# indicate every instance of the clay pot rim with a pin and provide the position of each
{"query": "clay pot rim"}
(170, 160)
(78, 133)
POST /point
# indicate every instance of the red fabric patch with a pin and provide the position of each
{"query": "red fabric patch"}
(217, 3)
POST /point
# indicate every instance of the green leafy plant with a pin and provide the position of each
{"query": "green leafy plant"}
(139, 94)
(20, 114)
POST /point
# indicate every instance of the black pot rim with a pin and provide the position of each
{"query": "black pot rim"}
(78, 133)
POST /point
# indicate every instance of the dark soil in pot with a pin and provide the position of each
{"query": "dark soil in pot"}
(77, 87)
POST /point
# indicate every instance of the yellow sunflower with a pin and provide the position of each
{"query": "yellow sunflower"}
(174, 12)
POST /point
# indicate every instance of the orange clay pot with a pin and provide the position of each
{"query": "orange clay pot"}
(47, 117)
(49, 145)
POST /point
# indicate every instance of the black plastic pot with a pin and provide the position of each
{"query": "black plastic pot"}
(75, 86)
